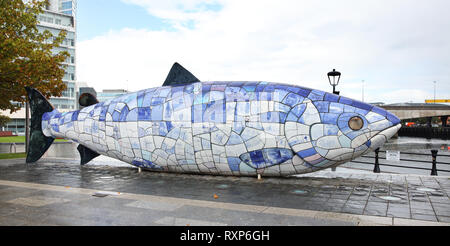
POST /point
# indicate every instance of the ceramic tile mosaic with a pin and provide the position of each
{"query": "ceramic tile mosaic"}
(228, 128)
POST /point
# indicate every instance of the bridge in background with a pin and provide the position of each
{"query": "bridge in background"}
(419, 110)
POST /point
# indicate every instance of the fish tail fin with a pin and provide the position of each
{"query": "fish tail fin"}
(38, 143)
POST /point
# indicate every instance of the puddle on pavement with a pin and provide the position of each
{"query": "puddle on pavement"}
(390, 198)
(99, 195)
(106, 177)
(437, 194)
(106, 193)
(223, 186)
(426, 189)
(360, 193)
(299, 192)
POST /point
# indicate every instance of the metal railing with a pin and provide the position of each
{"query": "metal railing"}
(433, 161)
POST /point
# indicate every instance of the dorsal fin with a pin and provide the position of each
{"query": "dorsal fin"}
(87, 99)
(86, 154)
(178, 75)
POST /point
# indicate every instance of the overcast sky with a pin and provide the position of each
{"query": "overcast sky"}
(397, 47)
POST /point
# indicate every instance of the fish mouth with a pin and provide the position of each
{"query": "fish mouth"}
(391, 131)
(379, 139)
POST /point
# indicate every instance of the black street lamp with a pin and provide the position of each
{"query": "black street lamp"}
(334, 77)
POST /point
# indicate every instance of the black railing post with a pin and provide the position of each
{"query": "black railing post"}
(377, 164)
(434, 169)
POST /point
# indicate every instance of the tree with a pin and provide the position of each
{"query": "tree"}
(27, 56)
(4, 120)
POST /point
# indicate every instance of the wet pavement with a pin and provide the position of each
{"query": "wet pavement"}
(58, 191)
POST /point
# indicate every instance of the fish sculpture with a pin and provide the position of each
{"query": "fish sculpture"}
(216, 128)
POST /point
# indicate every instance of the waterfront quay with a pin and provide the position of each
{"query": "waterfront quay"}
(58, 191)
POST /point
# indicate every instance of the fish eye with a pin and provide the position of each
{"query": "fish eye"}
(356, 123)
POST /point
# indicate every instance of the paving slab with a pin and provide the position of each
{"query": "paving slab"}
(61, 192)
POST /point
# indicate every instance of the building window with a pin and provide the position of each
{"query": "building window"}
(67, 5)
(58, 21)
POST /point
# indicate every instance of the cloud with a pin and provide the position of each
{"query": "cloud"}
(395, 46)
(180, 13)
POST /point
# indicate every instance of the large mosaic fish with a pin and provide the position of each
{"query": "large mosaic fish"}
(219, 128)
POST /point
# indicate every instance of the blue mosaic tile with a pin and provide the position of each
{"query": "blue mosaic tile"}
(145, 164)
(47, 116)
(279, 95)
(292, 117)
(141, 132)
(157, 101)
(345, 100)
(124, 114)
(330, 129)
(112, 107)
(189, 89)
(361, 111)
(233, 163)
(361, 105)
(307, 153)
(157, 113)
(331, 97)
(163, 92)
(55, 127)
(293, 99)
(322, 106)
(132, 115)
(316, 95)
(304, 92)
(144, 114)
(392, 118)
(329, 118)
(116, 116)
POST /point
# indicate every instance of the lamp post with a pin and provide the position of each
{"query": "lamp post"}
(363, 90)
(334, 77)
(434, 92)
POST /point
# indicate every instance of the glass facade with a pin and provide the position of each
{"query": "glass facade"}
(68, 7)
(60, 15)
(17, 126)
(106, 95)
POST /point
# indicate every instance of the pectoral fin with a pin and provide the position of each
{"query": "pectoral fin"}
(86, 154)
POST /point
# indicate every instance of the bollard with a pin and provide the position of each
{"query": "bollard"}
(15, 148)
(377, 164)
(433, 168)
